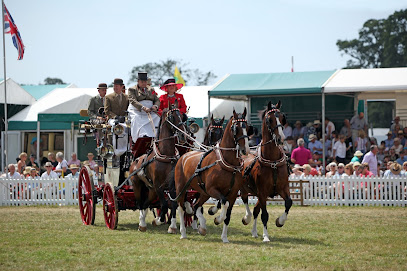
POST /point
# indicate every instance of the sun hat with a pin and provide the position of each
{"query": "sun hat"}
(297, 166)
(27, 170)
(90, 154)
(341, 165)
(389, 133)
(73, 166)
(48, 164)
(358, 153)
(395, 168)
(317, 122)
(356, 164)
(298, 122)
(170, 82)
(311, 137)
(332, 164)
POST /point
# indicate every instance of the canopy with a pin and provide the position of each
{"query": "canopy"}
(270, 84)
(15, 93)
(38, 91)
(367, 80)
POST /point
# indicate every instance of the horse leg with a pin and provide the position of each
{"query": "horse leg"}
(172, 229)
(264, 219)
(224, 207)
(248, 217)
(256, 212)
(202, 221)
(159, 220)
(142, 224)
(182, 227)
(214, 209)
(224, 235)
(288, 202)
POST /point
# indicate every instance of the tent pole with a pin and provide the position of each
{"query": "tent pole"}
(4, 148)
(38, 142)
(323, 132)
(209, 109)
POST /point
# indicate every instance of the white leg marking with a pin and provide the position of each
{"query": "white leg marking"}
(222, 216)
(224, 235)
(213, 210)
(282, 218)
(201, 218)
(182, 228)
(188, 208)
(248, 217)
(280, 130)
(254, 229)
(158, 221)
(194, 225)
(266, 237)
(173, 226)
(143, 214)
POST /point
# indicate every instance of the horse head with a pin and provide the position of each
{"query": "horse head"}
(215, 131)
(274, 121)
(239, 131)
(172, 119)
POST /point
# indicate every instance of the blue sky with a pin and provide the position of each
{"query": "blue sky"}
(88, 42)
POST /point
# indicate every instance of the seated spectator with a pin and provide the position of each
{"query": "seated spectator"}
(289, 146)
(297, 171)
(329, 128)
(392, 154)
(332, 169)
(298, 131)
(383, 144)
(396, 130)
(92, 163)
(288, 131)
(356, 166)
(74, 171)
(400, 135)
(306, 171)
(397, 146)
(402, 157)
(52, 159)
(346, 131)
(254, 139)
(308, 130)
(315, 128)
(396, 122)
(380, 155)
(348, 170)
(316, 160)
(26, 172)
(301, 155)
(357, 157)
(62, 166)
(74, 160)
(32, 163)
(33, 174)
(49, 173)
(389, 141)
(361, 142)
(339, 150)
(12, 173)
(315, 145)
(341, 169)
(404, 171)
(395, 171)
(364, 171)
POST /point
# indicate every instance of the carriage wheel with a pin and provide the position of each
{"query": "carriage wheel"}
(87, 205)
(110, 211)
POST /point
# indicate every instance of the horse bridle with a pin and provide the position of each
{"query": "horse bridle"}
(272, 129)
(170, 119)
(219, 128)
(239, 119)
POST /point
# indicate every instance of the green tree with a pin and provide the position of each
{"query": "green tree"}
(381, 44)
(53, 81)
(162, 70)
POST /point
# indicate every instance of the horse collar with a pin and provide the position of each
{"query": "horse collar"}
(224, 164)
(272, 164)
(165, 158)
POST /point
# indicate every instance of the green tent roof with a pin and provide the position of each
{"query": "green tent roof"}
(38, 91)
(271, 84)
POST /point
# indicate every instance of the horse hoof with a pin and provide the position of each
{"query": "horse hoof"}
(278, 223)
(216, 221)
(225, 240)
(266, 239)
(142, 229)
(172, 231)
(244, 222)
(202, 231)
(183, 237)
(154, 223)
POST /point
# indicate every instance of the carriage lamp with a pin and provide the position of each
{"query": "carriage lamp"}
(106, 151)
(118, 130)
(193, 126)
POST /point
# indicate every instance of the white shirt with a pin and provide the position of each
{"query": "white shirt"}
(340, 149)
(52, 175)
(73, 176)
(332, 125)
(61, 165)
(14, 176)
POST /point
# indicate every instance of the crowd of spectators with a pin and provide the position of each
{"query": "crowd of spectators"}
(349, 152)
(54, 167)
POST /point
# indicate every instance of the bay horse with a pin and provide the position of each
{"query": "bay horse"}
(155, 167)
(214, 131)
(215, 173)
(266, 173)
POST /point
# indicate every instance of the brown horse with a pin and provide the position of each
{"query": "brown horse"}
(266, 173)
(214, 131)
(215, 173)
(155, 167)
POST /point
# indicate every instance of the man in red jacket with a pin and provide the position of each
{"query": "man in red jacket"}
(171, 88)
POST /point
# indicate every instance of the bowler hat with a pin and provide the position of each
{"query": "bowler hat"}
(118, 81)
(102, 85)
(142, 76)
(170, 82)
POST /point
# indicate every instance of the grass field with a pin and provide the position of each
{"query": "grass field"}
(313, 238)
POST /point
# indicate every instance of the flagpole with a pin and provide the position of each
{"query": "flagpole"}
(4, 148)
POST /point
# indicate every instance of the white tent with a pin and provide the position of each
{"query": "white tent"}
(15, 93)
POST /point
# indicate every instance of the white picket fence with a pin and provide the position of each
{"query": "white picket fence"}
(39, 192)
(350, 191)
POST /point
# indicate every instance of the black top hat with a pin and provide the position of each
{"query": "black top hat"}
(142, 76)
(102, 85)
(118, 81)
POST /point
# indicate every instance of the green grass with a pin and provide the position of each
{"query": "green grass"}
(314, 238)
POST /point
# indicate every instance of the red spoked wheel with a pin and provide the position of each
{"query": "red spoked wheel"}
(188, 219)
(87, 205)
(110, 207)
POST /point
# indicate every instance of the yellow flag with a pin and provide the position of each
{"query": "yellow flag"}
(178, 77)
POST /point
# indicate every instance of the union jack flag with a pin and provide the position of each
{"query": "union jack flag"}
(11, 28)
